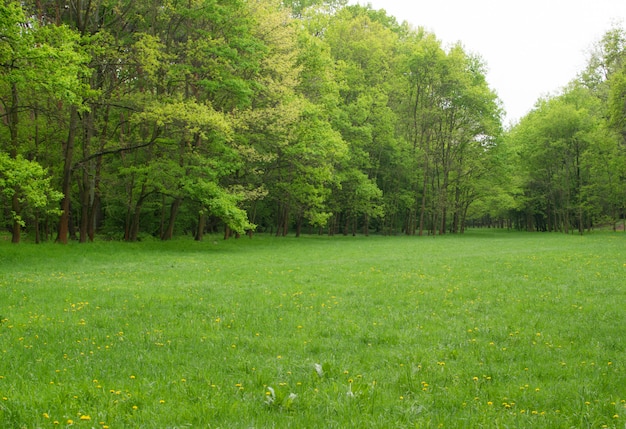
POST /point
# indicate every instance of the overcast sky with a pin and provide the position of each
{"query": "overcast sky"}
(531, 47)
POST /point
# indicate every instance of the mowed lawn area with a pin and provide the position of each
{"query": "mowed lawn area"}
(488, 329)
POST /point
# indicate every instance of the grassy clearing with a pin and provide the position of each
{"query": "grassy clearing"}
(482, 330)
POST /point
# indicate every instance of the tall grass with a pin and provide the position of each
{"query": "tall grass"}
(482, 330)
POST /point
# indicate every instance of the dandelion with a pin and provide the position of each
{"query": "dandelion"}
(85, 417)
(319, 369)
(46, 416)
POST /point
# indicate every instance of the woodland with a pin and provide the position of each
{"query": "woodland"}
(129, 120)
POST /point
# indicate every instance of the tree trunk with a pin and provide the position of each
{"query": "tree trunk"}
(66, 187)
(423, 205)
(16, 230)
(298, 225)
(133, 228)
(86, 186)
(169, 231)
(366, 226)
(129, 209)
(283, 221)
(201, 226)
(95, 204)
(84, 206)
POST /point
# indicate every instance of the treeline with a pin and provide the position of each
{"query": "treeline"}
(570, 150)
(124, 118)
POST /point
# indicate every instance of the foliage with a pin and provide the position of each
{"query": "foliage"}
(30, 183)
(160, 118)
(571, 148)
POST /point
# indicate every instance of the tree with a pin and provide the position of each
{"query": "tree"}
(571, 161)
(450, 122)
(363, 48)
(40, 67)
(28, 183)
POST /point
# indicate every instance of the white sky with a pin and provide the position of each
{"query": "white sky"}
(531, 47)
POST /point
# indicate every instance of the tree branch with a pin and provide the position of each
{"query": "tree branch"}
(115, 151)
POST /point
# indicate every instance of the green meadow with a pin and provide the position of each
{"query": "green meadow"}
(488, 329)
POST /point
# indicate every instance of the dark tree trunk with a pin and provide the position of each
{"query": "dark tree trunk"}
(133, 228)
(169, 231)
(13, 118)
(298, 225)
(84, 206)
(201, 227)
(86, 187)
(366, 226)
(66, 187)
(129, 210)
(283, 221)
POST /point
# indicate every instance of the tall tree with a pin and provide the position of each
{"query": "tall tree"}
(363, 49)
(40, 65)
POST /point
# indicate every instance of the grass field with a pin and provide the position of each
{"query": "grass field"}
(488, 329)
